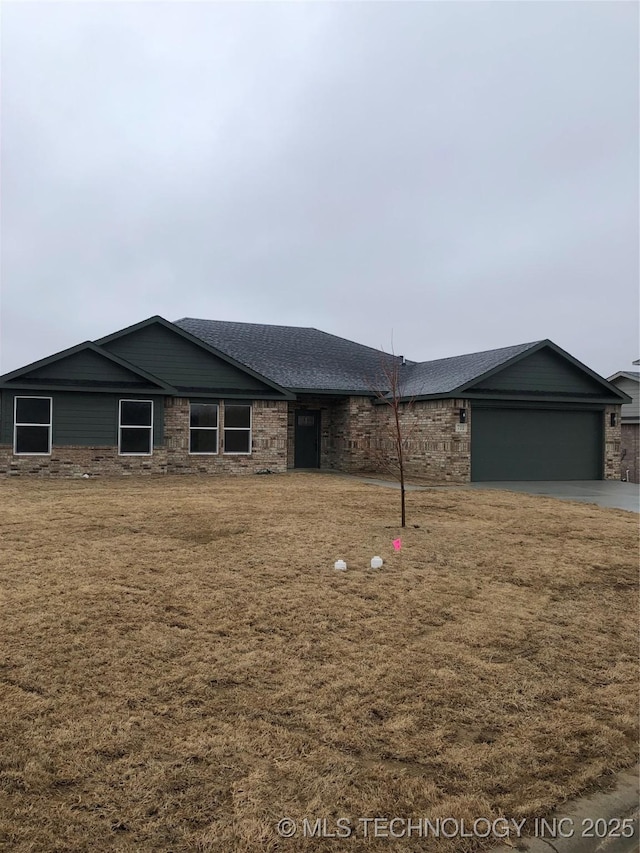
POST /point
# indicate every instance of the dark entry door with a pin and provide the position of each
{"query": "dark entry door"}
(307, 439)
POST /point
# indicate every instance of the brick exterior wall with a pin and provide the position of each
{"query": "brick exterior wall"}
(612, 435)
(268, 444)
(349, 432)
(269, 450)
(630, 452)
(76, 461)
(339, 433)
(437, 447)
(357, 437)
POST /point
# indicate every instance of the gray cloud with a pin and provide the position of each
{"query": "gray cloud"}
(463, 175)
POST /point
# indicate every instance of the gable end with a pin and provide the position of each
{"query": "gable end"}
(85, 367)
(546, 372)
(188, 363)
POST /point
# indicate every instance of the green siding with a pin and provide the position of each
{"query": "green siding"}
(87, 366)
(542, 371)
(6, 417)
(536, 444)
(89, 420)
(83, 419)
(177, 361)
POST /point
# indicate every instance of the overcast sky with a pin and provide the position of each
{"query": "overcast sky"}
(460, 175)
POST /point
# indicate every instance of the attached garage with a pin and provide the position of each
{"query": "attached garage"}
(527, 412)
(526, 443)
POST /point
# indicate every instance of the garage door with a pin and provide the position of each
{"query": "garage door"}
(535, 444)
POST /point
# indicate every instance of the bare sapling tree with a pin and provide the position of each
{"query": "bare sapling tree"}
(394, 436)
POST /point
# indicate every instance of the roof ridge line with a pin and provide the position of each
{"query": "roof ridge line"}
(478, 352)
(243, 323)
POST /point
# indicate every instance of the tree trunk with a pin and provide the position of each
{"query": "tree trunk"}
(389, 391)
(396, 412)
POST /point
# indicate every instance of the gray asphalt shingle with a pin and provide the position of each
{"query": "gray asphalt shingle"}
(292, 356)
(447, 374)
(308, 359)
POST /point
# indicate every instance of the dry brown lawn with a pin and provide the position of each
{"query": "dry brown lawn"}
(182, 666)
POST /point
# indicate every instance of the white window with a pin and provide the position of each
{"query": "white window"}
(135, 428)
(237, 428)
(32, 426)
(203, 428)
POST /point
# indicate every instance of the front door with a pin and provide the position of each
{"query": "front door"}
(307, 439)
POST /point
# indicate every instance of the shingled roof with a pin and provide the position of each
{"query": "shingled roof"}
(298, 358)
(446, 374)
(627, 374)
(306, 359)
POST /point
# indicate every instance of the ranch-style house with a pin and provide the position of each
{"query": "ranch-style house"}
(206, 396)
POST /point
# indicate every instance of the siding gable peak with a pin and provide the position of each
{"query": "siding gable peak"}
(545, 369)
(85, 365)
(186, 362)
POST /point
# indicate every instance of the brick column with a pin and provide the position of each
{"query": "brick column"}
(612, 436)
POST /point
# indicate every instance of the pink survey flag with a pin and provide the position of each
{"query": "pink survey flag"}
(397, 544)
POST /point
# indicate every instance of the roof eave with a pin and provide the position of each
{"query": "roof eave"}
(414, 398)
(111, 389)
(333, 392)
(542, 398)
(506, 398)
(623, 374)
(226, 393)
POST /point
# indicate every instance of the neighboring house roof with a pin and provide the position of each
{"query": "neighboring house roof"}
(446, 374)
(295, 357)
(625, 374)
(629, 381)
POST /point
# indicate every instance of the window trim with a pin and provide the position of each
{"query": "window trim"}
(134, 426)
(215, 429)
(248, 452)
(16, 424)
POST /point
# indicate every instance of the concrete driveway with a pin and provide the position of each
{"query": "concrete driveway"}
(609, 493)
